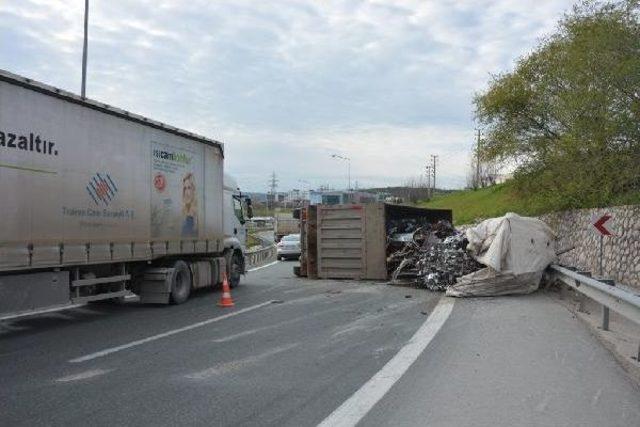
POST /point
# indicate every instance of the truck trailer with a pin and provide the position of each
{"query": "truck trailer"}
(97, 203)
(352, 241)
(285, 224)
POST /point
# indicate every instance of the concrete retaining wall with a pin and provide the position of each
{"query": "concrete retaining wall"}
(621, 252)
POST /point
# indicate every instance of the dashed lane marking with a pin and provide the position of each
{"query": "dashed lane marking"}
(83, 375)
(136, 343)
(71, 306)
(235, 365)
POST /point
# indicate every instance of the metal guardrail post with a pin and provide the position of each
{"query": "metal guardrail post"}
(605, 318)
(619, 300)
(583, 300)
(605, 309)
(602, 291)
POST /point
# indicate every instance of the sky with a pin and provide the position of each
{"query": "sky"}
(284, 84)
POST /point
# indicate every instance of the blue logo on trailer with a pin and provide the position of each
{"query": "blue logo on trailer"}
(102, 189)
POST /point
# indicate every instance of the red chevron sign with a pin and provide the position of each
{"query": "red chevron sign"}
(599, 225)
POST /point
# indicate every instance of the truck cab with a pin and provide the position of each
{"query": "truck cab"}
(237, 209)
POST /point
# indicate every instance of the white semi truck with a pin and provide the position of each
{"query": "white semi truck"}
(96, 202)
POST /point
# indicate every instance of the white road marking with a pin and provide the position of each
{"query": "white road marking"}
(238, 335)
(273, 325)
(366, 323)
(70, 306)
(43, 311)
(54, 309)
(83, 375)
(165, 334)
(596, 397)
(234, 365)
(360, 403)
(263, 266)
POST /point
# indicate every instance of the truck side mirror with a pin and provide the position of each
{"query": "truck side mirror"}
(249, 209)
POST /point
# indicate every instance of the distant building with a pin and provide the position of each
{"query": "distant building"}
(382, 196)
(315, 197)
(296, 198)
(260, 222)
(340, 197)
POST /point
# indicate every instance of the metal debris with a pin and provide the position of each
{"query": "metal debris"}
(433, 258)
(400, 226)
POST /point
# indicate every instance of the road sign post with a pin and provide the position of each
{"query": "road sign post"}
(599, 224)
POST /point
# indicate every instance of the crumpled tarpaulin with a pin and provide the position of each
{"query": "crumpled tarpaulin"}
(515, 250)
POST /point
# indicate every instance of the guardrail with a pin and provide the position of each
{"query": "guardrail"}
(261, 256)
(255, 228)
(602, 291)
(267, 253)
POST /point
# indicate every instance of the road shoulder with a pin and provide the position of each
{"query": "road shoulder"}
(522, 360)
(622, 339)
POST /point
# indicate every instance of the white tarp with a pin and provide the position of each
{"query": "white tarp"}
(515, 249)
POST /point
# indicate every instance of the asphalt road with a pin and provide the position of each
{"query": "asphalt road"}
(299, 350)
(288, 363)
(511, 361)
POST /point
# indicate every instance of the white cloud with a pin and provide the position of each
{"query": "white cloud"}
(286, 83)
(380, 155)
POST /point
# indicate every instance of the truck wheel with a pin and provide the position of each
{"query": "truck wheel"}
(235, 270)
(180, 283)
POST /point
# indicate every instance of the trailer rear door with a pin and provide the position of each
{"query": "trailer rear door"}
(351, 242)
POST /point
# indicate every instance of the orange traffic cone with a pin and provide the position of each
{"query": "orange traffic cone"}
(226, 300)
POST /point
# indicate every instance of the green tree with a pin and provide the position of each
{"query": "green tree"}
(568, 115)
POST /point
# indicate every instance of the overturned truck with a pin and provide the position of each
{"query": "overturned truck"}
(420, 247)
(354, 241)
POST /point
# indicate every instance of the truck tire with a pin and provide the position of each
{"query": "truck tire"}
(180, 283)
(235, 270)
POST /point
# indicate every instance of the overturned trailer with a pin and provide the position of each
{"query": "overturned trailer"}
(351, 241)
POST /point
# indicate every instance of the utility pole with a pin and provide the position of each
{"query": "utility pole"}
(348, 160)
(428, 173)
(434, 162)
(478, 159)
(273, 185)
(83, 89)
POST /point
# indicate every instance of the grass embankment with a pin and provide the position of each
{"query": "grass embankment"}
(263, 211)
(253, 241)
(471, 205)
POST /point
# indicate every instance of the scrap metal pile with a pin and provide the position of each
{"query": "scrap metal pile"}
(427, 256)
